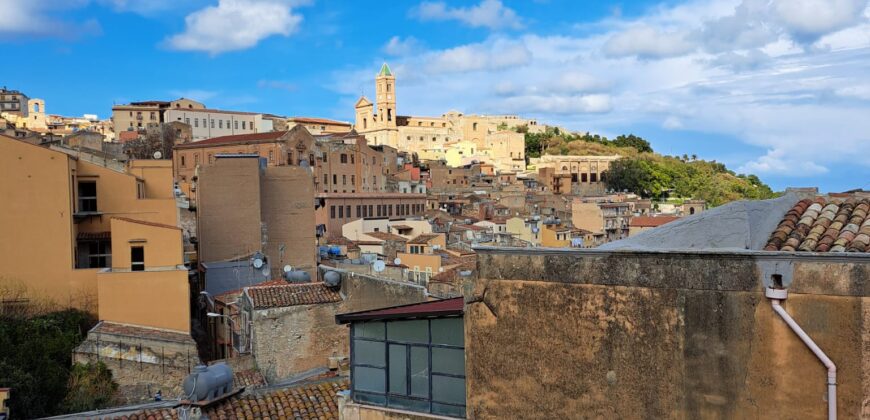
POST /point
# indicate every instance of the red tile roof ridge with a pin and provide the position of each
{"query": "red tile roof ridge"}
(234, 138)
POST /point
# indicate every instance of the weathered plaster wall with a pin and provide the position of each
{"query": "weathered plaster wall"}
(661, 335)
(294, 339)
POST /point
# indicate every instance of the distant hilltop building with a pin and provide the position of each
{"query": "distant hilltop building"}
(453, 137)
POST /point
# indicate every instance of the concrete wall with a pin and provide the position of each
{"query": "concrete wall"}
(287, 207)
(159, 299)
(663, 335)
(228, 210)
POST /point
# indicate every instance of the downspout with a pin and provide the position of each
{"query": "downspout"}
(776, 297)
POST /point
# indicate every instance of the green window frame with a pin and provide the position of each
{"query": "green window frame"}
(416, 365)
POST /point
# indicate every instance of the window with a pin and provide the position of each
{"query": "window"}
(332, 212)
(379, 210)
(344, 180)
(334, 179)
(347, 211)
(311, 159)
(210, 158)
(340, 212)
(388, 87)
(95, 254)
(271, 156)
(365, 123)
(351, 159)
(195, 159)
(373, 160)
(243, 125)
(389, 114)
(196, 122)
(370, 212)
(353, 180)
(212, 123)
(187, 121)
(358, 211)
(414, 365)
(236, 125)
(343, 158)
(474, 126)
(183, 164)
(220, 123)
(593, 177)
(87, 196)
(289, 158)
(137, 258)
(324, 157)
(325, 179)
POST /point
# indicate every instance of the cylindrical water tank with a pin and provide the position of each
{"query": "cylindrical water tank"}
(332, 278)
(208, 382)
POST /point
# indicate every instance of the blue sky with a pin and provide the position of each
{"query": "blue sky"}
(779, 88)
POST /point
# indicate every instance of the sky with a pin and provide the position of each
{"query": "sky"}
(777, 88)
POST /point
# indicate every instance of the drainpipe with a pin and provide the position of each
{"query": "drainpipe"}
(776, 297)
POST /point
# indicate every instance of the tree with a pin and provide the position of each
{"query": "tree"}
(502, 126)
(631, 140)
(159, 139)
(90, 387)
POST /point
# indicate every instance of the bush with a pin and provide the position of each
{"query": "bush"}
(36, 356)
(90, 387)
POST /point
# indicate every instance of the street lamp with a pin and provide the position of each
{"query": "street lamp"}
(231, 326)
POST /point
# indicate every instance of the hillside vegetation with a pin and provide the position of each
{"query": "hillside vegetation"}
(649, 174)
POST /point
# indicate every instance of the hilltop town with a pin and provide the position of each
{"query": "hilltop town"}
(211, 263)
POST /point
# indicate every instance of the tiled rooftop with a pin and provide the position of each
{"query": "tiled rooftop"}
(651, 221)
(386, 236)
(251, 378)
(304, 402)
(290, 294)
(423, 238)
(111, 328)
(236, 138)
(824, 225)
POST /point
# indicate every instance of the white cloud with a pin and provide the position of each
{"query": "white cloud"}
(43, 18)
(810, 19)
(495, 54)
(143, 7)
(490, 14)
(768, 98)
(398, 46)
(647, 42)
(672, 123)
(235, 25)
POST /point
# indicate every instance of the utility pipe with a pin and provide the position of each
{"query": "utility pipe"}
(776, 297)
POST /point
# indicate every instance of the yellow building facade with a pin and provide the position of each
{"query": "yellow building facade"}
(433, 138)
(93, 237)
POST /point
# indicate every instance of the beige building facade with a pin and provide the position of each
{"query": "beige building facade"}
(94, 237)
(210, 123)
(432, 137)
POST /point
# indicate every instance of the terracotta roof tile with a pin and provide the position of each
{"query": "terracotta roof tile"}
(111, 328)
(317, 121)
(423, 238)
(824, 225)
(237, 138)
(251, 378)
(386, 236)
(276, 296)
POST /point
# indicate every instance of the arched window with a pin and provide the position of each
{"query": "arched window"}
(691, 210)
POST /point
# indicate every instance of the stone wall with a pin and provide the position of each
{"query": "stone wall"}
(141, 366)
(562, 334)
(295, 339)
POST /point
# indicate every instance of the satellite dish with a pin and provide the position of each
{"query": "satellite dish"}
(258, 260)
(397, 261)
(288, 268)
(379, 266)
(158, 155)
(265, 271)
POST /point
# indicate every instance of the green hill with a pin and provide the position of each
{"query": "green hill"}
(649, 174)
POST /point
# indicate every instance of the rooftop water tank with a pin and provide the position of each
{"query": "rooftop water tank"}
(297, 276)
(206, 383)
(332, 278)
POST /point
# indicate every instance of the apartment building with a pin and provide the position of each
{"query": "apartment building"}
(334, 210)
(137, 116)
(341, 163)
(209, 123)
(94, 236)
(583, 175)
(13, 101)
(612, 219)
(319, 125)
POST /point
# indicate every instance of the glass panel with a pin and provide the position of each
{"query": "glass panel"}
(368, 379)
(447, 389)
(398, 369)
(448, 410)
(451, 361)
(368, 352)
(369, 398)
(420, 372)
(369, 329)
(448, 331)
(409, 404)
(409, 331)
